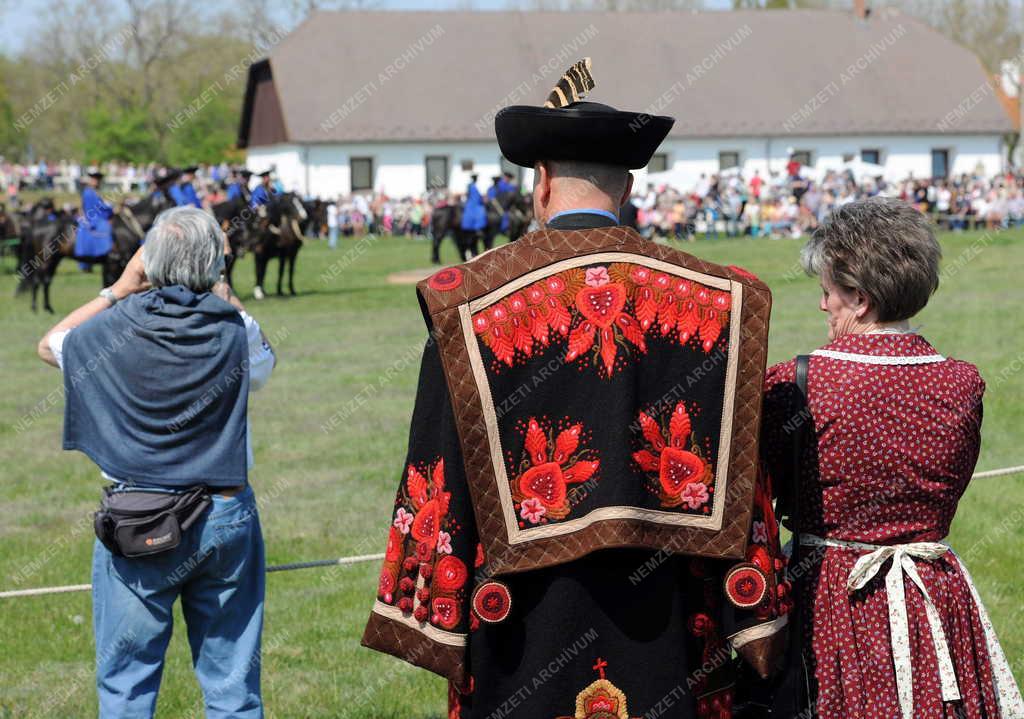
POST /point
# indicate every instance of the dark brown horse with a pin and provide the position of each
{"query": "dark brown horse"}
(278, 234)
(47, 237)
(238, 221)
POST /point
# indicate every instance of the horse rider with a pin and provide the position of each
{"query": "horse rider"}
(474, 214)
(162, 180)
(261, 195)
(184, 192)
(94, 238)
(240, 186)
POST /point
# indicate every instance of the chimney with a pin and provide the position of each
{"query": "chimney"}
(860, 9)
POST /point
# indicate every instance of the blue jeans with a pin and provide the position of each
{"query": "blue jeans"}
(218, 571)
(332, 237)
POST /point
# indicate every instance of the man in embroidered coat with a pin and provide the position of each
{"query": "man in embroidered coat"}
(580, 529)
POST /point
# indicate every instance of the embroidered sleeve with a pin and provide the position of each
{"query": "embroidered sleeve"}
(756, 590)
(421, 613)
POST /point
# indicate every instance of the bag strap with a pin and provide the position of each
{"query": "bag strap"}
(796, 654)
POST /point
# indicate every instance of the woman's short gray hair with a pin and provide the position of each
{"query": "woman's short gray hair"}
(883, 247)
(185, 246)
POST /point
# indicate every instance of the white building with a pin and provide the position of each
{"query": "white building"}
(399, 102)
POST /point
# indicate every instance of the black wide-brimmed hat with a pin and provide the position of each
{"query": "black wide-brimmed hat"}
(95, 174)
(190, 170)
(568, 128)
(165, 175)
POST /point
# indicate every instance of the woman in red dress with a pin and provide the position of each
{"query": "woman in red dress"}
(893, 626)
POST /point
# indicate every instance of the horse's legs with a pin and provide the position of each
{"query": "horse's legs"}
(108, 272)
(35, 291)
(281, 259)
(463, 241)
(229, 264)
(435, 248)
(46, 295)
(261, 272)
(291, 270)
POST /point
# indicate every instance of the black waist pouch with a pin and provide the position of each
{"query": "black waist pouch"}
(138, 523)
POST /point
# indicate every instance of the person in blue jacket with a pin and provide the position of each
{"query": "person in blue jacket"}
(94, 238)
(261, 195)
(496, 192)
(474, 214)
(184, 193)
(239, 187)
(162, 183)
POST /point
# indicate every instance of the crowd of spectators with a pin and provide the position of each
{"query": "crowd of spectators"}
(789, 203)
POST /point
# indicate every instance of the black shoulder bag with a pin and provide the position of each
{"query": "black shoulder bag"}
(137, 523)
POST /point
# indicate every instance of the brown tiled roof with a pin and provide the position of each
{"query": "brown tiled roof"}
(368, 76)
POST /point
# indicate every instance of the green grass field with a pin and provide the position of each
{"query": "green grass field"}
(351, 339)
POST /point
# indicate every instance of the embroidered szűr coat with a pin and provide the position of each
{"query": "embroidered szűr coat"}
(580, 529)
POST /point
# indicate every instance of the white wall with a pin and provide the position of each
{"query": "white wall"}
(400, 167)
(286, 160)
(901, 155)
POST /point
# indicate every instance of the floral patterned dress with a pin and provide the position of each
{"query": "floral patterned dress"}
(897, 429)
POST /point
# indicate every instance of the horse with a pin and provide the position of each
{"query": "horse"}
(520, 215)
(236, 219)
(448, 219)
(278, 234)
(315, 224)
(129, 227)
(520, 212)
(46, 238)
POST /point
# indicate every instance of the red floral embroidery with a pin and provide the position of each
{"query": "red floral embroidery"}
(684, 477)
(420, 575)
(450, 574)
(601, 310)
(746, 586)
(446, 279)
(601, 699)
(552, 462)
(446, 612)
(492, 602)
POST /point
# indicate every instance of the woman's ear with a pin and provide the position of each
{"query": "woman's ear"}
(863, 304)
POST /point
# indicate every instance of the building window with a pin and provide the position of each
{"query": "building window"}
(940, 164)
(801, 156)
(872, 156)
(466, 165)
(437, 172)
(510, 167)
(658, 163)
(362, 173)
(727, 160)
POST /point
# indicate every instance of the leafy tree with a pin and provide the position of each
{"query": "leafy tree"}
(118, 134)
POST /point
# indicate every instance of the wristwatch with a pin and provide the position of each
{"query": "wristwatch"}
(108, 294)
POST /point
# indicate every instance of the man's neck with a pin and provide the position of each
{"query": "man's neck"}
(601, 205)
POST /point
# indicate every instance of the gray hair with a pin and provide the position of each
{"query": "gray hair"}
(185, 246)
(883, 247)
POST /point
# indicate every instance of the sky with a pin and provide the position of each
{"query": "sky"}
(19, 18)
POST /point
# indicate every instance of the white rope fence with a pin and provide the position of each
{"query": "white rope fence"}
(358, 558)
